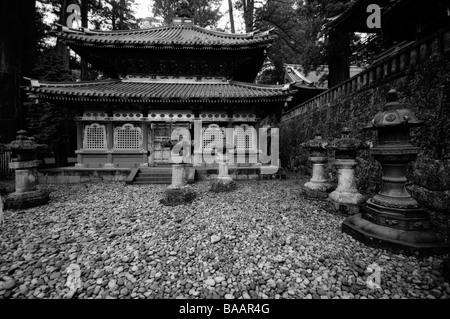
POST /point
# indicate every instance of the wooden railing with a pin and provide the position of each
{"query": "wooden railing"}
(394, 65)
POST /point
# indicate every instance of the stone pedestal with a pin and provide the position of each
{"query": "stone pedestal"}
(318, 186)
(178, 192)
(392, 218)
(346, 199)
(198, 158)
(224, 182)
(26, 194)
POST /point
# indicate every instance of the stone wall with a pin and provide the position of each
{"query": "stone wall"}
(424, 88)
(63, 176)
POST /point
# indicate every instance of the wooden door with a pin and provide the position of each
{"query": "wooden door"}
(161, 142)
(161, 135)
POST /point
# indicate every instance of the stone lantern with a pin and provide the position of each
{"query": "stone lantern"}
(318, 186)
(346, 198)
(392, 218)
(26, 194)
(224, 181)
(178, 192)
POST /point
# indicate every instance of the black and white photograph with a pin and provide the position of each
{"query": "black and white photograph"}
(225, 157)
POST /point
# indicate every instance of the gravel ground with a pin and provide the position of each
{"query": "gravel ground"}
(261, 241)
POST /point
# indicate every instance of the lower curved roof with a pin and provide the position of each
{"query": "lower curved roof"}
(158, 91)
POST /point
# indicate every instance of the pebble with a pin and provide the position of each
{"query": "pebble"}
(271, 283)
(210, 282)
(219, 279)
(23, 289)
(215, 239)
(9, 284)
(320, 291)
(99, 273)
(279, 259)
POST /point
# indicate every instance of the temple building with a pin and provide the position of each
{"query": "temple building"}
(161, 79)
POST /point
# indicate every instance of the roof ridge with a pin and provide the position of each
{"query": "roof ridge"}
(174, 81)
(232, 35)
(87, 31)
(266, 86)
(76, 83)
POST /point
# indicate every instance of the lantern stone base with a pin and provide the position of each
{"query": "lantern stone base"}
(26, 200)
(345, 202)
(424, 242)
(178, 195)
(223, 184)
(316, 190)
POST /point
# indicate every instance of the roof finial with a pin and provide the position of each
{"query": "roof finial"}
(184, 9)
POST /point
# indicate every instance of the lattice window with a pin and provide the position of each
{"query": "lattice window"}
(94, 137)
(161, 130)
(127, 137)
(212, 134)
(244, 136)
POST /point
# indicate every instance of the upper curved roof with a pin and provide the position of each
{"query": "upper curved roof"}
(172, 35)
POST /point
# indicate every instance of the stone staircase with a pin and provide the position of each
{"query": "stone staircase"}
(150, 175)
(156, 175)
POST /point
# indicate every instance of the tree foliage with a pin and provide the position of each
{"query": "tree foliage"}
(300, 34)
(248, 11)
(44, 120)
(114, 15)
(204, 12)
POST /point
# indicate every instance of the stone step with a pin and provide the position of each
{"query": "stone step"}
(155, 175)
(152, 182)
(150, 179)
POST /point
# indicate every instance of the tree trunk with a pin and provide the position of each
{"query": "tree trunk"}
(249, 6)
(15, 19)
(84, 23)
(61, 48)
(338, 57)
(121, 14)
(29, 45)
(230, 10)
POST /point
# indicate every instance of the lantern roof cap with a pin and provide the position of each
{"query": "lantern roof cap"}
(345, 142)
(24, 144)
(316, 142)
(394, 114)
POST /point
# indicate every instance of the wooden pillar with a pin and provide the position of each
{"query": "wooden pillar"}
(109, 143)
(152, 153)
(144, 144)
(198, 147)
(230, 123)
(79, 144)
